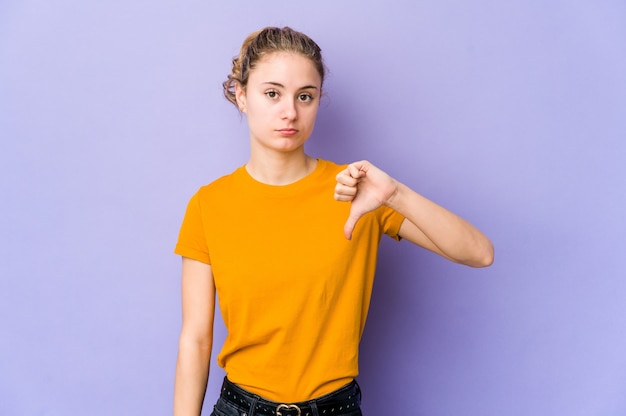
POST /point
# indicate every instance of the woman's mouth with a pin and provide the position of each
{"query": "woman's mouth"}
(287, 132)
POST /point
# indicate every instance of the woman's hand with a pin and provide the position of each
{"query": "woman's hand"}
(367, 187)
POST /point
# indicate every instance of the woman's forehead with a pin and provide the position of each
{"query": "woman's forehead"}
(285, 68)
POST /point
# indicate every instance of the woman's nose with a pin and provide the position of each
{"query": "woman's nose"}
(289, 111)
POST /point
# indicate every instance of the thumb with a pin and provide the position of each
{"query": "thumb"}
(348, 228)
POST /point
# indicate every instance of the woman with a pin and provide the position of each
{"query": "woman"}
(292, 266)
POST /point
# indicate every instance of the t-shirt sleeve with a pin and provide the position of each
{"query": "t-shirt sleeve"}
(191, 239)
(391, 221)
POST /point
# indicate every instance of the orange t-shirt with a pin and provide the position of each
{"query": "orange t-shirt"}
(293, 291)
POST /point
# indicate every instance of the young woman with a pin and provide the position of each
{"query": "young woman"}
(291, 263)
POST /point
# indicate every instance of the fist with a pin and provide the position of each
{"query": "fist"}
(366, 187)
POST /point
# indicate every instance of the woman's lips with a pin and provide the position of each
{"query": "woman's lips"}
(287, 132)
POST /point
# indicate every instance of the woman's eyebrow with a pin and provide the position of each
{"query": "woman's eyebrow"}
(278, 84)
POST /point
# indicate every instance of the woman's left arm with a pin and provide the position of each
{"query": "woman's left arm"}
(427, 224)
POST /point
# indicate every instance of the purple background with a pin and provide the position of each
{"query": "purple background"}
(512, 114)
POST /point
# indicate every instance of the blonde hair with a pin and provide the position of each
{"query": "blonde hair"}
(266, 41)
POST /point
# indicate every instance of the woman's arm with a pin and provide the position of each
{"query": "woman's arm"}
(427, 224)
(196, 338)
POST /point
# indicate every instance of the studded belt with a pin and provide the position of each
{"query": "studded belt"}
(343, 400)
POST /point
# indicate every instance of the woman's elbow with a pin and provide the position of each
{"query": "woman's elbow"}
(484, 256)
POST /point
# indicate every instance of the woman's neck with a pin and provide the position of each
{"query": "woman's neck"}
(280, 169)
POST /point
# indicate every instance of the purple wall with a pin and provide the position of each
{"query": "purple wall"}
(512, 114)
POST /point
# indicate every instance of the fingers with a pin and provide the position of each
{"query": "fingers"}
(348, 228)
(350, 176)
(357, 170)
(345, 193)
(347, 182)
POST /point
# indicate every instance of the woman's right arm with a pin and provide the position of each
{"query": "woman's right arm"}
(196, 338)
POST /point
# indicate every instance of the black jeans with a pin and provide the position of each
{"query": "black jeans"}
(235, 401)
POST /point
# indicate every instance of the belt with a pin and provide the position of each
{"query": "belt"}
(345, 399)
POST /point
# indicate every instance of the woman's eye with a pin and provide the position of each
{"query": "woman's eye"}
(272, 94)
(305, 98)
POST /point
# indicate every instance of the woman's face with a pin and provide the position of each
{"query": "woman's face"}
(281, 101)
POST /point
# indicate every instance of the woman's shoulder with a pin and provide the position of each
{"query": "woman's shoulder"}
(222, 184)
(331, 166)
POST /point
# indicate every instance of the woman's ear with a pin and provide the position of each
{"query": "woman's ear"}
(240, 95)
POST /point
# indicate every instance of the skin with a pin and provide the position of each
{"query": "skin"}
(281, 101)
(283, 93)
(427, 224)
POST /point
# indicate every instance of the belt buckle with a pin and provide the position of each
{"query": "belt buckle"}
(287, 407)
